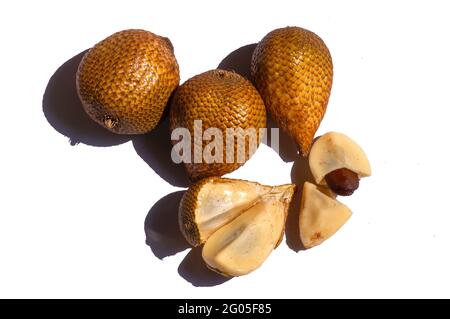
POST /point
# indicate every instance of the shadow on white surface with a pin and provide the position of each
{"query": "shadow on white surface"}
(300, 173)
(161, 227)
(155, 148)
(239, 61)
(287, 149)
(165, 239)
(194, 270)
(64, 111)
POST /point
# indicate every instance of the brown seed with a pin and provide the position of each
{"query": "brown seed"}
(342, 181)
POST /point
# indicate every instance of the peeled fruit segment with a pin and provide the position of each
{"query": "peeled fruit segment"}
(213, 202)
(244, 244)
(333, 151)
(240, 222)
(321, 216)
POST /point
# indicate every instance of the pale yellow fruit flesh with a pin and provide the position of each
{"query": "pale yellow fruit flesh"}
(244, 244)
(333, 151)
(223, 200)
(321, 216)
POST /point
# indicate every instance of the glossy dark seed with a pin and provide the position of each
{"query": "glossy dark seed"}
(342, 181)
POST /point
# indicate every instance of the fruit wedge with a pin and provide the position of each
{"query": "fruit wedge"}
(321, 216)
(240, 222)
(333, 151)
(244, 244)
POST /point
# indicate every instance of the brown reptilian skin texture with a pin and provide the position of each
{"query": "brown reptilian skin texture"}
(186, 212)
(220, 99)
(125, 81)
(293, 71)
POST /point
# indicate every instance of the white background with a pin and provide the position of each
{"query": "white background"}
(72, 216)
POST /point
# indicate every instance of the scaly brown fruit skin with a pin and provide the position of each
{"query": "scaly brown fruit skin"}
(186, 212)
(293, 71)
(125, 81)
(220, 99)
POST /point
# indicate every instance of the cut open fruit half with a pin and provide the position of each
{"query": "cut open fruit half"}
(321, 216)
(333, 151)
(240, 222)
